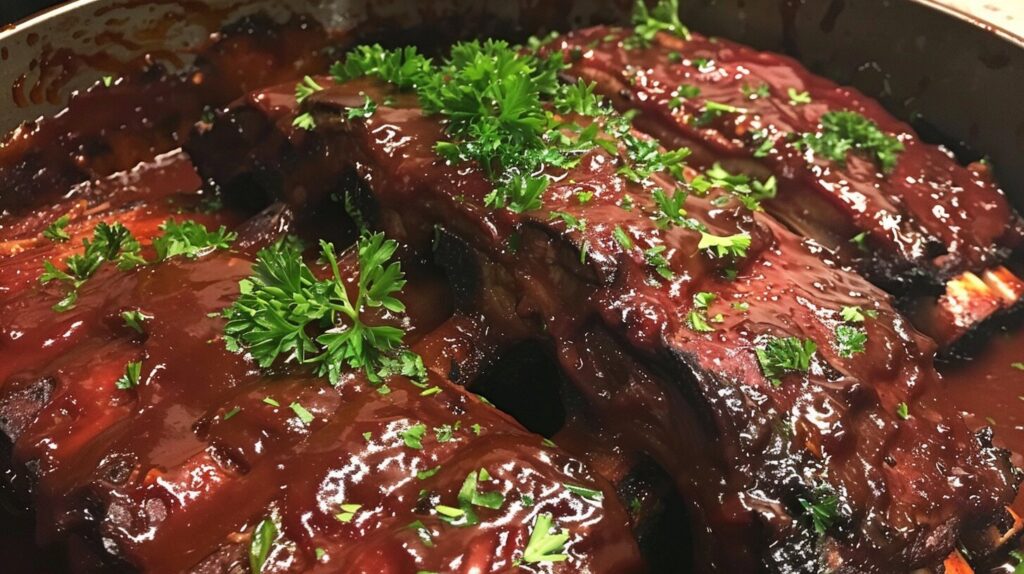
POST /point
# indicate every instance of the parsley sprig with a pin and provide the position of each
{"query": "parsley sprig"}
(845, 131)
(113, 243)
(664, 17)
(284, 310)
(545, 545)
(786, 355)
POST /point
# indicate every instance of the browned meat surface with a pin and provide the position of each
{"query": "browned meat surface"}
(910, 226)
(755, 452)
(637, 370)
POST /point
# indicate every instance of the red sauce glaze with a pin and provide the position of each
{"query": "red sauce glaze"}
(741, 475)
(928, 217)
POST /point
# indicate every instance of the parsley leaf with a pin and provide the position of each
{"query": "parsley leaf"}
(307, 87)
(134, 319)
(405, 67)
(903, 411)
(655, 258)
(786, 355)
(114, 243)
(850, 340)
(55, 232)
(730, 245)
(747, 190)
(588, 493)
(664, 17)
(282, 302)
(622, 238)
(845, 131)
(300, 411)
(545, 545)
(190, 240)
(366, 110)
(130, 378)
(263, 537)
(698, 321)
(413, 436)
(798, 98)
(304, 121)
(822, 508)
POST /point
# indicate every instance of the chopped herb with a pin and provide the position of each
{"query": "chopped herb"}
(130, 378)
(108, 81)
(544, 544)
(413, 436)
(449, 511)
(112, 243)
(798, 98)
(429, 392)
(588, 493)
(405, 68)
(860, 240)
(520, 194)
(445, 433)
(850, 340)
(367, 436)
(320, 553)
(852, 314)
(671, 210)
(741, 306)
(348, 512)
(571, 222)
(786, 355)
(714, 110)
(903, 411)
(1018, 366)
(655, 258)
(845, 131)
(698, 321)
(747, 190)
(765, 144)
(469, 494)
(703, 65)
(425, 474)
(307, 87)
(270, 401)
(263, 537)
(366, 110)
(234, 411)
(475, 428)
(1018, 568)
(526, 499)
(622, 238)
(300, 411)
(304, 121)
(282, 300)
(731, 245)
(56, 232)
(584, 197)
(823, 509)
(134, 318)
(703, 299)
(190, 239)
(664, 17)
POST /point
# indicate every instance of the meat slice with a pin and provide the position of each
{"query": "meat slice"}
(916, 226)
(775, 450)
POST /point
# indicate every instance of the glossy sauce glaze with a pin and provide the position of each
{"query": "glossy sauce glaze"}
(178, 473)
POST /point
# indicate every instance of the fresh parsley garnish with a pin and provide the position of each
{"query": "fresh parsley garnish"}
(366, 110)
(1018, 366)
(56, 232)
(113, 243)
(785, 355)
(130, 378)
(304, 121)
(405, 68)
(655, 258)
(903, 411)
(714, 110)
(752, 93)
(697, 320)
(730, 245)
(190, 240)
(850, 340)
(747, 190)
(588, 493)
(845, 131)
(798, 98)
(664, 17)
(822, 509)
(283, 309)
(413, 436)
(307, 87)
(134, 319)
(622, 238)
(300, 411)
(263, 537)
(544, 544)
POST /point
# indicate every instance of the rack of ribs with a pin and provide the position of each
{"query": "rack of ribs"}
(668, 341)
(901, 211)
